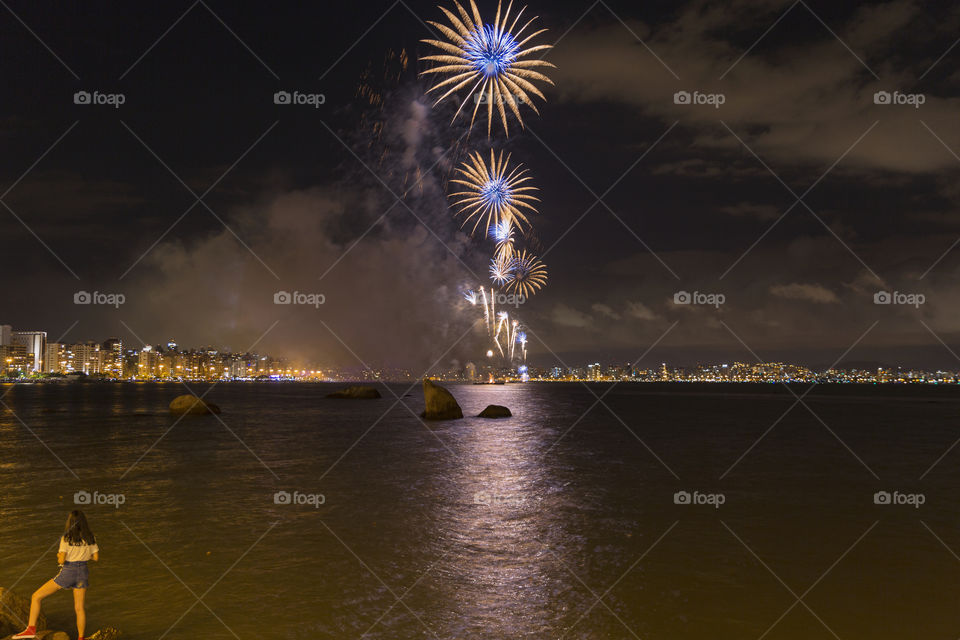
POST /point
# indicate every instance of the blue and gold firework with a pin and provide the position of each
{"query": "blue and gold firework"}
(495, 194)
(492, 59)
(527, 274)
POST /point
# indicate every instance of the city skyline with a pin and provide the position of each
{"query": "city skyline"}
(169, 361)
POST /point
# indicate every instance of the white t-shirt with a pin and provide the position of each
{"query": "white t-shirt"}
(77, 552)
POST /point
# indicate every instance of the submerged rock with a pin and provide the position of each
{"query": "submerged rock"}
(439, 404)
(14, 613)
(495, 411)
(192, 405)
(107, 633)
(356, 392)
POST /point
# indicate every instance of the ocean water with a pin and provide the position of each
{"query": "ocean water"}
(560, 522)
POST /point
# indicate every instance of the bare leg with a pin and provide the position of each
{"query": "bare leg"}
(49, 587)
(78, 595)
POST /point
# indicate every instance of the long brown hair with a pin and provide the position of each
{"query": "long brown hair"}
(78, 531)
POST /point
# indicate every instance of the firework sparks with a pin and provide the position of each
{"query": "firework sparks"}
(493, 58)
(527, 274)
(495, 193)
(506, 334)
(486, 309)
(503, 234)
(493, 63)
(500, 270)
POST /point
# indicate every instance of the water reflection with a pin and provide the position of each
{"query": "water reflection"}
(501, 524)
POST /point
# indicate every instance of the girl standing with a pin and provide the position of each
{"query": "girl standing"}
(77, 547)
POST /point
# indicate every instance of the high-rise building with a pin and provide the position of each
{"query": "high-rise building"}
(86, 357)
(35, 343)
(53, 358)
(149, 365)
(131, 363)
(111, 358)
(13, 360)
(6, 335)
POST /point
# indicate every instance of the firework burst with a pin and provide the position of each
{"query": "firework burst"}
(527, 274)
(500, 270)
(492, 59)
(503, 234)
(495, 194)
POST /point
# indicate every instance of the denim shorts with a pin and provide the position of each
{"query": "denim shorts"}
(74, 575)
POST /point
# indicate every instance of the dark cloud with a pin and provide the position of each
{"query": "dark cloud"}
(809, 292)
(791, 101)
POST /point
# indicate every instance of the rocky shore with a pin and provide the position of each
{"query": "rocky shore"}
(439, 404)
(15, 609)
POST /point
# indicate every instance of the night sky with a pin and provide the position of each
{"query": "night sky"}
(797, 199)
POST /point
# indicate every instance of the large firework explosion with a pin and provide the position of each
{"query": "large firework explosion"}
(492, 59)
(495, 194)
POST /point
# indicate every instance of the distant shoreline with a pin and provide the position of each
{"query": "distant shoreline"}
(414, 381)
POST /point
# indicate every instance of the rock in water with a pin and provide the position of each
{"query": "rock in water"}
(439, 404)
(191, 405)
(356, 392)
(52, 635)
(14, 612)
(495, 411)
(107, 633)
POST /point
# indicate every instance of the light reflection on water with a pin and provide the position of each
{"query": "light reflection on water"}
(491, 529)
(502, 522)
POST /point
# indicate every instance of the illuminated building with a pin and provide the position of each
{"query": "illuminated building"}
(111, 358)
(35, 344)
(86, 357)
(13, 360)
(53, 358)
(149, 363)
